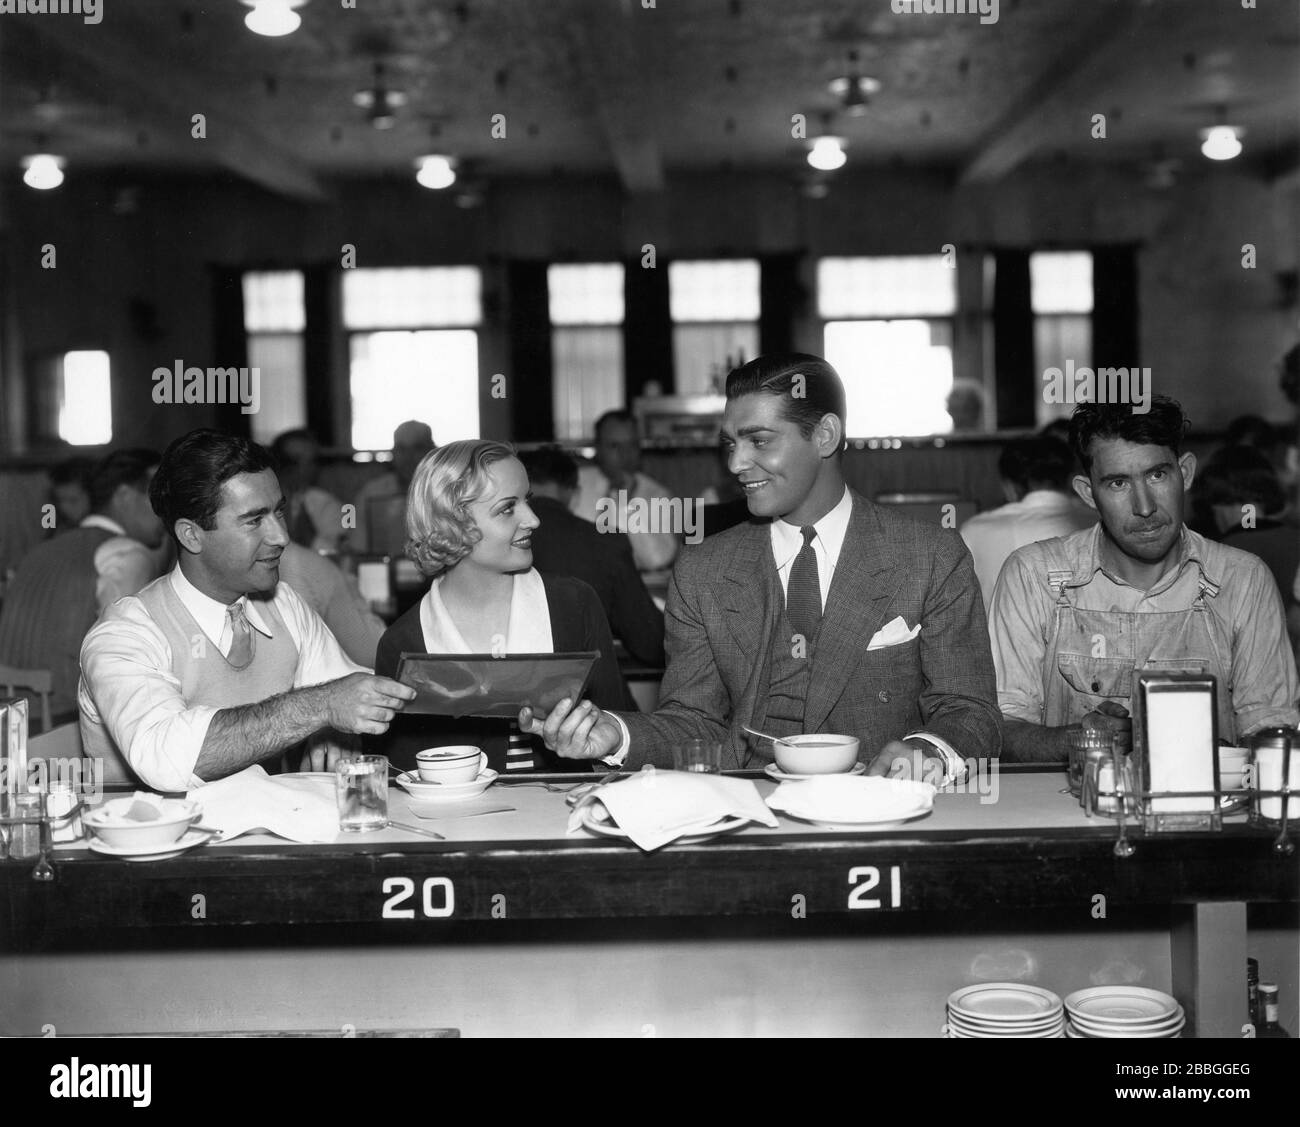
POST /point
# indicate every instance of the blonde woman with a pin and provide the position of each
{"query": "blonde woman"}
(469, 528)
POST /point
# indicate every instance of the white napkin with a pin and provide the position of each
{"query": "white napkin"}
(656, 807)
(852, 798)
(301, 808)
(893, 633)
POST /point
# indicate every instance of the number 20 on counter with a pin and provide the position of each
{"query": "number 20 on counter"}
(435, 889)
(866, 878)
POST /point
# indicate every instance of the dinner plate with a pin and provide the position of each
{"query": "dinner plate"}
(185, 842)
(1046, 1021)
(1150, 1029)
(445, 792)
(853, 801)
(1004, 1002)
(596, 819)
(772, 771)
(1122, 1005)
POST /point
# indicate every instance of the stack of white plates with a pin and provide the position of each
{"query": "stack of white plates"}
(1005, 1009)
(1123, 1011)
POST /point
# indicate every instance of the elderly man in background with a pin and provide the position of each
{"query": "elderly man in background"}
(614, 483)
(381, 501)
(63, 584)
(1035, 475)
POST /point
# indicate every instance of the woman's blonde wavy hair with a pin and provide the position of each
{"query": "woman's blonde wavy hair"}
(440, 532)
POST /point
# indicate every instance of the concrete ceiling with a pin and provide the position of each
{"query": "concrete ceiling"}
(614, 87)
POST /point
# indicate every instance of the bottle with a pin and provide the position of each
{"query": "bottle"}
(1268, 1010)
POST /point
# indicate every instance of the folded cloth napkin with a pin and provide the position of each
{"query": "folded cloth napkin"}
(656, 807)
(893, 633)
(300, 807)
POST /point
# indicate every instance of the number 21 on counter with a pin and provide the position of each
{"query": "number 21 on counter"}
(865, 878)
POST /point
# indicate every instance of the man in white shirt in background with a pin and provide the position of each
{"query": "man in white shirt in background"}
(217, 665)
(1040, 504)
(63, 584)
(412, 440)
(617, 480)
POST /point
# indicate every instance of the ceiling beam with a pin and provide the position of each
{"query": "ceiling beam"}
(614, 57)
(1056, 95)
(111, 60)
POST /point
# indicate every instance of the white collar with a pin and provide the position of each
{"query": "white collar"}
(831, 530)
(108, 524)
(529, 629)
(210, 614)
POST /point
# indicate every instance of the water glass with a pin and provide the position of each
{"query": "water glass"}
(700, 756)
(361, 784)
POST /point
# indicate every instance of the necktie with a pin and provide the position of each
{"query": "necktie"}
(803, 599)
(241, 648)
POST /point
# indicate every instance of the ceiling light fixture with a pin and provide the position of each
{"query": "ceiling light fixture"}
(43, 171)
(1221, 142)
(273, 17)
(854, 90)
(435, 172)
(379, 101)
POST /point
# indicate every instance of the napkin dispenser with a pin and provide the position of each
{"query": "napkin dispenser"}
(1176, 743)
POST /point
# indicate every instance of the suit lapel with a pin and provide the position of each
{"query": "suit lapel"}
(749, 610)
(866, 578)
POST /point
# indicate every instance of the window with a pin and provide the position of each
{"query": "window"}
(413, 351)
(586, 313)
(274, 321)
(1060, 294)
(85, 408)
(715, 307)
(889, 334)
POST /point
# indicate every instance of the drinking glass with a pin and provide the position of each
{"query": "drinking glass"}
(361, 784)
(701, 756)
(1083, 740)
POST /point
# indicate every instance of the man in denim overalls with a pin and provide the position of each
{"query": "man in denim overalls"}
(1073, 618)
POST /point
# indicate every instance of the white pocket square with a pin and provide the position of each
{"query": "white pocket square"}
(893, 633)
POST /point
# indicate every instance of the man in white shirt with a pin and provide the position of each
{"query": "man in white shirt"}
(1040, 504)
(64, 583)
(835, 616)
(615, 485)
(217, 665)
(412, 440)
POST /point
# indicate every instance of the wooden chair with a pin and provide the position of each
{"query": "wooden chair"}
(38, 681)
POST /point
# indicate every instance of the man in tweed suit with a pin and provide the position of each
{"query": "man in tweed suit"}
(822, 613)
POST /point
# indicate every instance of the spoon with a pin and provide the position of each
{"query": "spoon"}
(760, 735)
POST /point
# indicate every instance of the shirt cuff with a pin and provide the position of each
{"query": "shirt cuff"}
(618, 758)
(954, 766)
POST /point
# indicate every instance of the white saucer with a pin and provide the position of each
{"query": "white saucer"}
(596, 819)
(772, 771)
(185, 842)
(445, 792)
(1006, 1003)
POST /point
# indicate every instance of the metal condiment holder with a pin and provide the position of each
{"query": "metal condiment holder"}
(10, 822)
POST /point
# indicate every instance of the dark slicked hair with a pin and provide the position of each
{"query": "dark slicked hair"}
(618, 415)
(1163, 425)
(1241, 475)
(121, 467)
(1041, 462)
(188, 483)
(550, 464)
(781, 374)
